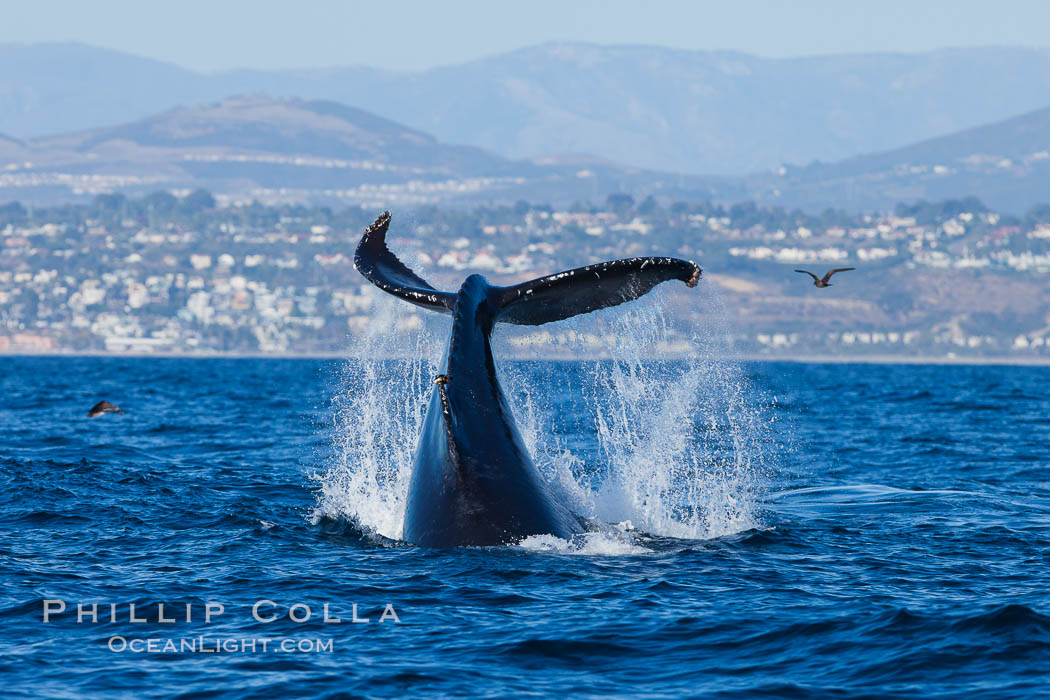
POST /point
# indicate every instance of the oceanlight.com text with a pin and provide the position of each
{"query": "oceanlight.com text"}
(221, 645)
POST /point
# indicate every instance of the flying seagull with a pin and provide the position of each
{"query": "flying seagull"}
(102, 407)
(818, 282)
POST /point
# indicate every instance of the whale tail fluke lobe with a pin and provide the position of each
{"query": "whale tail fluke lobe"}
(542, 300)
(590, 288)
(382, 268)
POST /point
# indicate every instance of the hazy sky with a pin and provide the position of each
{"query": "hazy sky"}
(219, 34)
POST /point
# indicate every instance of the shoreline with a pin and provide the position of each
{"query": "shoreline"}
(802, 359)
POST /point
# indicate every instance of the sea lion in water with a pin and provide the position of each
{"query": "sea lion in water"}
(103, 407)
(473, 482)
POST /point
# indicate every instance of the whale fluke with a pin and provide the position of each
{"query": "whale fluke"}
(473, 481)
(103, 407)
(542, 300)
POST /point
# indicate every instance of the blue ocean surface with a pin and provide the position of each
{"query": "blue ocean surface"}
(772, 530)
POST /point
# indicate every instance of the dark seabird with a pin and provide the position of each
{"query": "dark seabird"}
(820, 283)
(102, 407)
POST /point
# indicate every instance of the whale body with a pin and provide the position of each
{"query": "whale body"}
(473, 482)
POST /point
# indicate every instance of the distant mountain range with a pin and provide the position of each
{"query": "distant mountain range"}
(661, 109)
(311, 150)
(1005, 164)
(297, 149)
(289, 149)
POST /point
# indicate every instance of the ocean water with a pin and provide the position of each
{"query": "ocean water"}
(774, 530)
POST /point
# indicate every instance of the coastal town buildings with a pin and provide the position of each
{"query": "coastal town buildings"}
(283, 282)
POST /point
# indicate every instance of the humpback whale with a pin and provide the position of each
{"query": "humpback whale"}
(473, 482)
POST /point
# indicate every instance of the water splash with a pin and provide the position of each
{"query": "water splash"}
(674, 446)
(588, 544)
(378, 414)
(682, 444)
